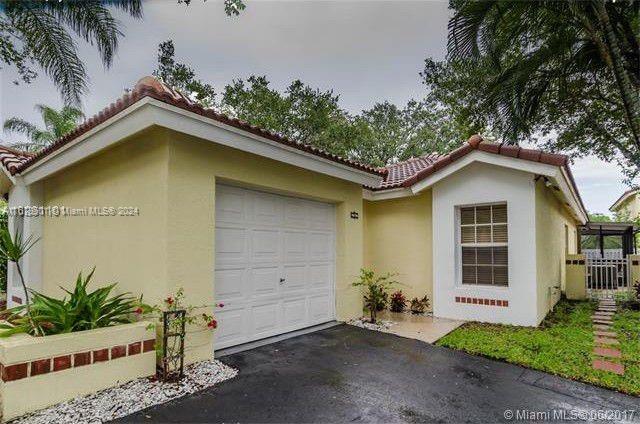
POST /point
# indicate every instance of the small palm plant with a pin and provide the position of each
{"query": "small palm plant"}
(375, 290)
(13, 249)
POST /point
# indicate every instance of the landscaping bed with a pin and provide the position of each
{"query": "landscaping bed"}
(561, 345)
(133, 396)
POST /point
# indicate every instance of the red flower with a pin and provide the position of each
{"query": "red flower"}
(169, 300)
(221, 305)
(138, 311)
(213, 324)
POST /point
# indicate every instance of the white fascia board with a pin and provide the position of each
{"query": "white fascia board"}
(392, 193)
(148, 112)
(556, 173)
(128, 122)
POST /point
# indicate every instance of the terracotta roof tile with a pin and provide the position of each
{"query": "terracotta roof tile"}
(411, 171)
(151, 87)
(12, 159)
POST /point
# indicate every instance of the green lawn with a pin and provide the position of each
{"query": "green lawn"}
(562, 345)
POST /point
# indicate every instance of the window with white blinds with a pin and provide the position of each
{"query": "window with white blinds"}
(483, 241)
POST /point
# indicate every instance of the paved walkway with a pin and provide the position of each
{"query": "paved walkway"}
(420, 327)
(606, 355)
(347, 374)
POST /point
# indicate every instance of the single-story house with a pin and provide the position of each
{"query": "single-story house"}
(627, 205)
(157, 193)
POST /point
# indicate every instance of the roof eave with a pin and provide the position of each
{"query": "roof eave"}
(149, 111)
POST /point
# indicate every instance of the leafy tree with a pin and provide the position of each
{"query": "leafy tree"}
(182, 77)
(41, 33)
(57, 123)
(568, 71)
(381, 135)
(301, 113)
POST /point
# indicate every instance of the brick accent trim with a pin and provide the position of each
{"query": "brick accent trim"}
(482, 301)
(78, 359)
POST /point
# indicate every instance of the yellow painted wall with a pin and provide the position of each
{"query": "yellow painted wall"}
(131, 251)
(398, 239)
(556, 236)
(172, 177)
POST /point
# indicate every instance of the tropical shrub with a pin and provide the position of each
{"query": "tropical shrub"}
(375, 290)
(398, 302)
(81, 310)
(419, 306)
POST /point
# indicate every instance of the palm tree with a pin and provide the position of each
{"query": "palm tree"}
(545, 52)
(41, 32)
(56, 124)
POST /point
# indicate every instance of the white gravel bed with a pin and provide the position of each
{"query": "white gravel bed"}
(130, 397)
(380, 325)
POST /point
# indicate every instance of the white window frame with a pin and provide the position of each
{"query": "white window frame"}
(459, 245)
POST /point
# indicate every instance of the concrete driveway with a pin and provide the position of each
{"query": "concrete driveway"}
(346, 374)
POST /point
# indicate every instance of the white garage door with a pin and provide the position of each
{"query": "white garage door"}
(275, 261)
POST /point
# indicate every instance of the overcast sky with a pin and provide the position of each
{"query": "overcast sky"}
(367, 51)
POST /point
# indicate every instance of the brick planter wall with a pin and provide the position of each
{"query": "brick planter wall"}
(36, 372)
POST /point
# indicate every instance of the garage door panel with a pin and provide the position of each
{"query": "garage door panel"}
(265, 245)
(321, 276)
(230, 205)
(231, 325)
(295, 246)
(267, 210)
(320, 246)
(321, 216)
(230, 284)
(294, 311)
(319, 308)
(295, 278)
(261, 239)
(231, 245)
(295, 213)
(264, 281)
(265, 317)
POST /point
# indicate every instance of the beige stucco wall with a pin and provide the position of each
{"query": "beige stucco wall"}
(398, 239)
(556, 235)
(171, 177)
(131, 251)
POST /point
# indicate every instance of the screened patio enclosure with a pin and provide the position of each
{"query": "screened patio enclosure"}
(606, 246)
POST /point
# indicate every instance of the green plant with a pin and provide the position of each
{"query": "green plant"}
(419, 306)
(398, 301)
(177, 326)
(82, 310)
(375, 290)
(12, 249)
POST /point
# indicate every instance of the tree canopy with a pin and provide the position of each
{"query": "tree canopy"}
(383, 134)
(563, 73)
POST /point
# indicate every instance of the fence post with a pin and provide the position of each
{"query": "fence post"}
(634, 270)
(576, 284)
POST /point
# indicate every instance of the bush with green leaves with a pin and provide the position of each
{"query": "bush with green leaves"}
(375, 290)
(80, 310)
(419, 306)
